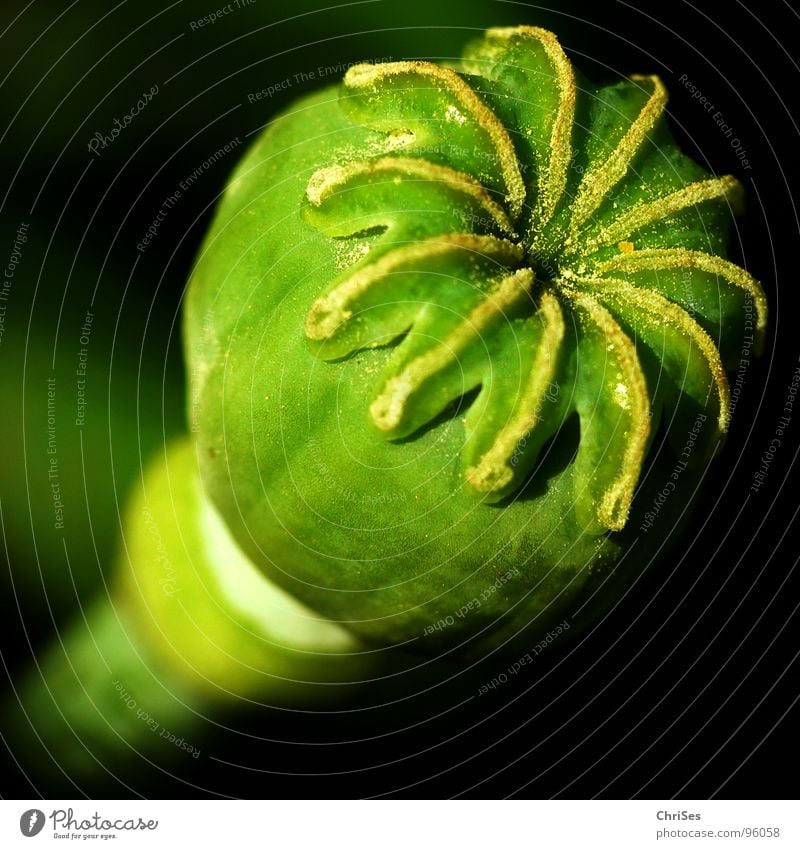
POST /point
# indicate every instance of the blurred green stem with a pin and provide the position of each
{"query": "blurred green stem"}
(189, 624)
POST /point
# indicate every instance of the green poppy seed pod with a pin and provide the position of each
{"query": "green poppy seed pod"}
(451, 331)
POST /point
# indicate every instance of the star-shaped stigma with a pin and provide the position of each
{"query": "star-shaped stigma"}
(519, 230)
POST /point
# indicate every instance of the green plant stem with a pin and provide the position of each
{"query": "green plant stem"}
(188, 625)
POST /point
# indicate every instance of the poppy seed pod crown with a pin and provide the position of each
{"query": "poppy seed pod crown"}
(450, 326)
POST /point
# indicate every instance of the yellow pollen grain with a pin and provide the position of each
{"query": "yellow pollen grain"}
(327, 181)
(672, 259)
(600, 179)
(388, 408)
(645, 213)
(553, 173)
(493, 471)
(331, 311)
(612, 512)
(370, 76)
(663, 311)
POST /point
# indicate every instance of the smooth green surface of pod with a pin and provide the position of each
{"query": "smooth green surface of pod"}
(438, 323)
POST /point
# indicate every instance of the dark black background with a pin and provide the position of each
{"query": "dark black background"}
(689, 688)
